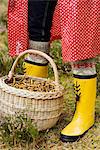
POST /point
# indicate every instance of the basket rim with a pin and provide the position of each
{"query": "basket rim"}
(31, 94)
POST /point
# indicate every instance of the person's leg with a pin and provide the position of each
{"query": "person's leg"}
(40, 15)
(84, 74)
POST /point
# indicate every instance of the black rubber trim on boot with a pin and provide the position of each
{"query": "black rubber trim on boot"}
(35, 63)
(65, 138)
(84, 76)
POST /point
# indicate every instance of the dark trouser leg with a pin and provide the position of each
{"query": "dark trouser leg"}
(40, 13)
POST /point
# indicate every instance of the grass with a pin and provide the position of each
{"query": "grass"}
(49, 139)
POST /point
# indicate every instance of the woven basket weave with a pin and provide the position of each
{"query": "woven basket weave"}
(44, 108)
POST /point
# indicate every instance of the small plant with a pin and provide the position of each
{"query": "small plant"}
(17, 130)
(56, 54)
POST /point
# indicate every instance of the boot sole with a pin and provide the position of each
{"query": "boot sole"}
(66, 138)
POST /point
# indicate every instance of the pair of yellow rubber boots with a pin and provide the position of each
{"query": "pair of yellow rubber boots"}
(85, 91)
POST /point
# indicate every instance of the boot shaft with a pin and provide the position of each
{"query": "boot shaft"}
(85, 91)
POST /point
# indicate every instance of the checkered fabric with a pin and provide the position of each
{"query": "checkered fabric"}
(17, 26)
(75, 22)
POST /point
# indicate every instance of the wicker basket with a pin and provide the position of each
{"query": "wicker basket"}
(44, 108)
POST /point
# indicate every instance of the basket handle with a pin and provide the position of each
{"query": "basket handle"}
(31, 51)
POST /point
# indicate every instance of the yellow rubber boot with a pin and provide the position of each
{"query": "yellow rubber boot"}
(85, 90)
(35, 65)
(36, 69)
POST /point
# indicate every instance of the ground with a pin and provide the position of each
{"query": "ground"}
(49, 139)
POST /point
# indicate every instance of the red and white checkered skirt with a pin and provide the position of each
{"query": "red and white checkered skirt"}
(75, 22)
